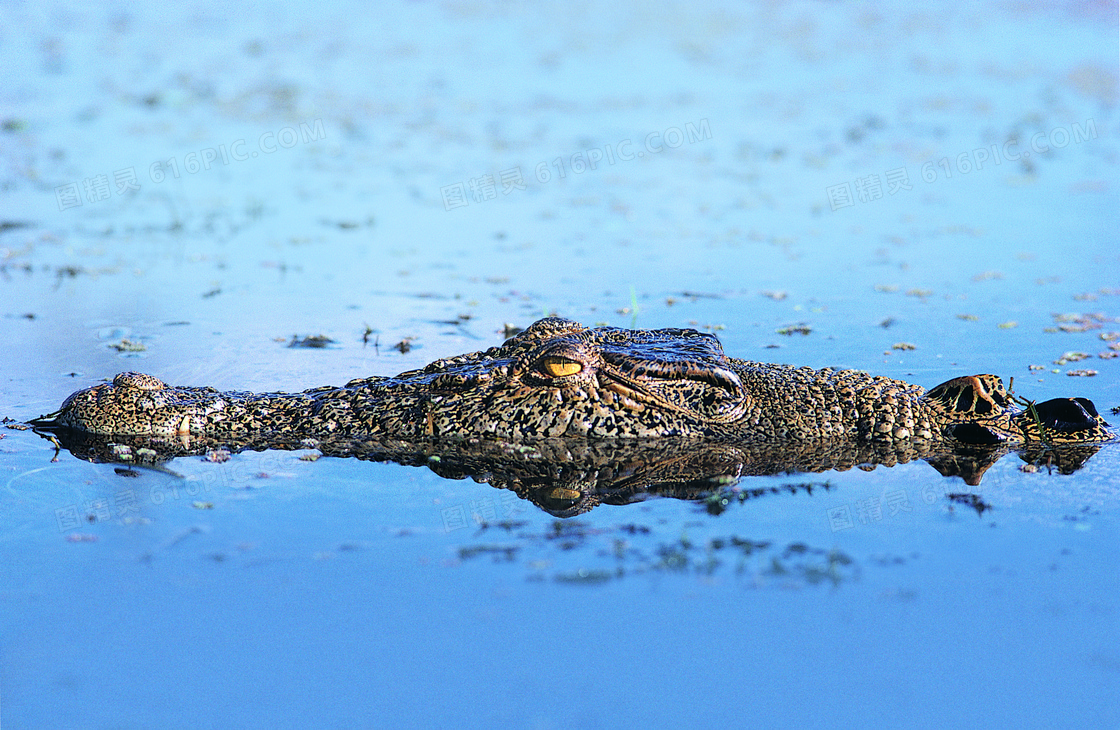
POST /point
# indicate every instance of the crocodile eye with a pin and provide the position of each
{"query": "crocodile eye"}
(558, 367)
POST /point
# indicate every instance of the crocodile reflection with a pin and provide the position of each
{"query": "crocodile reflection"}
(568, 477)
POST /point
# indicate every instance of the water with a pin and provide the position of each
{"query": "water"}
(270, 591)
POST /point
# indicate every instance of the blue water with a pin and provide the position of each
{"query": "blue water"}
(319, 152)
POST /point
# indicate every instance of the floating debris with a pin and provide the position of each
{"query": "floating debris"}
(126, 345)
(970, 500)
(1078, 322)
(718, 502)
(507, 525)
(499, 552)
(588, 577)
(1071, 356)
(314, 341)
(459, 320)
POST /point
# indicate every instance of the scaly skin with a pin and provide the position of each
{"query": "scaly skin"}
(558, 379)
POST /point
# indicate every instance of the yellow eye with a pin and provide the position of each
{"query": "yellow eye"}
(560, 493)
(558, 367)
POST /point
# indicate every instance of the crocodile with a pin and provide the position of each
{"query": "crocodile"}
(558, 379)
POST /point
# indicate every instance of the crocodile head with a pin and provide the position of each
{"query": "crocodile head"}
(555, 379)
(558, 378)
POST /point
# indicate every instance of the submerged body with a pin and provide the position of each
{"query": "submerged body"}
(559, 379)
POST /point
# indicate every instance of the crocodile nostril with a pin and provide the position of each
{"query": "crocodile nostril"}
(140, 381)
